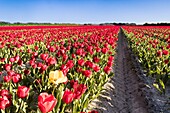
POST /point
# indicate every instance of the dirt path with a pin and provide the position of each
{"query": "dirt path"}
(122, 93)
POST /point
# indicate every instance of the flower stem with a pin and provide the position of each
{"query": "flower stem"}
(63, 108)
(2, 111)
(22, 105)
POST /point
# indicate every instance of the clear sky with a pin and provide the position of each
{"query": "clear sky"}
(85, 11)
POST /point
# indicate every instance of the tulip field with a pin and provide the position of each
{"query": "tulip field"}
(151, 45)
(61, 69)
(54, 69)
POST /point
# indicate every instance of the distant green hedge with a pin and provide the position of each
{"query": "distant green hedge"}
(30, 23)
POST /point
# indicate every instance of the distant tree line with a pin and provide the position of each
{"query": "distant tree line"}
(2, 23)
(156, 24)
(131, 24)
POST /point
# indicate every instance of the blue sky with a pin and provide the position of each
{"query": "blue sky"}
(85, 11)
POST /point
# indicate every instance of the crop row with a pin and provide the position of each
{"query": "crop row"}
(152, 47)
(54, 69)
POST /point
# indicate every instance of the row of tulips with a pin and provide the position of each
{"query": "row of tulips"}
(55, 70)
(152, 46)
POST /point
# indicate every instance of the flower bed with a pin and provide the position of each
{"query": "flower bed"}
(151, 45)
(54, 69)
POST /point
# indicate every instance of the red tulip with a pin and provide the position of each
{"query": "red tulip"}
(62, 51)
(74, 83)
(12, 59)
(22, 91)
(44, 56)
(68, 96)
(96, 60)
(70, 64)
(26, 72)
(29, 51)
(165, 52)
(104, 50)
(36, 47)
(96, 68)
(7, 67)
(79, 51)
(5, 99)
(20, 62)
(11, 73)
(4, 102)
(81, 62)
(51, 60)
(73, 56)
(98, 49)
(52, 49)
(32, 62)
(168, 46)
(2, 59)
(5, 92)
(7, 78)
(46, 102)
(35, 54)
(107, 69)
(17, 58)
(111, 58)
(43, 67)
(166, 61)
(89, 64)
(87, 73)
(79, 90)
(159, 53)
(65, 57)
(16, 78)
(79, 70)
(109, 64)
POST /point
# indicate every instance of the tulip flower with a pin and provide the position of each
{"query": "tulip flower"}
(70, 64)
(12, 59)
(57, 77)
(7, 78)
(96, 68)
(65, 57)
(159, 53)
(79, 90)
(46, 102)
(104, 50)
(4, 102)
(22, 91)
(68, 96)
(7, 67)
(165, 52)
(107, 69)
(87, 73)
(51, 61)
(96, 60)
(16, 78)
(81, 62)
(44, 56)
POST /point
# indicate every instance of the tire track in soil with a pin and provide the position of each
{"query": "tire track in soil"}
(122, 93)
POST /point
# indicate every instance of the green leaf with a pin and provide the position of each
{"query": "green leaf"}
(157, 87)
(162, 84)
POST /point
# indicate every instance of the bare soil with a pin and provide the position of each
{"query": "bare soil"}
(129, 91)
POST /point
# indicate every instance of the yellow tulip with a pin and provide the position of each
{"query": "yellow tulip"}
(57, 77)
